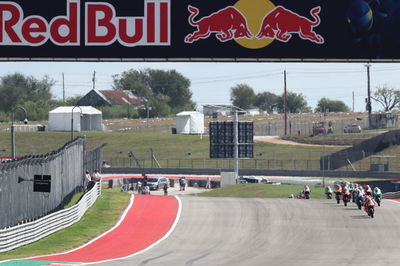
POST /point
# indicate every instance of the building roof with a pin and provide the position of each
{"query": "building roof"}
(120, 97)
(68, 109)
(188, 113)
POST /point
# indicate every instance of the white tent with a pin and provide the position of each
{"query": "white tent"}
(85, 118)
(190, 122)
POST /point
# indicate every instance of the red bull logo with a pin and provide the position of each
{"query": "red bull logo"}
(227, 24)
(276, 23)
(281, 23)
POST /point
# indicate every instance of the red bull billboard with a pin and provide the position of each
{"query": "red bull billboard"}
(245, 30)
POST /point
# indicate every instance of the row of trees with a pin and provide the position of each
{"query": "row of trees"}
(165, 93)
(243, 96)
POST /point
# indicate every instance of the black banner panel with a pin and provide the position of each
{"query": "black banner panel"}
(42, 183)
(222, 139)
(199, 30)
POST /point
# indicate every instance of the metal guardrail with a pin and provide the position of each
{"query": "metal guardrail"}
(23, 234)
(391, 195)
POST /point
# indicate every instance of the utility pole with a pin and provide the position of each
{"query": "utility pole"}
(63, 88)
(353, 101)
(285, 100)
(236, 144)
(369, 107)
(94, 79)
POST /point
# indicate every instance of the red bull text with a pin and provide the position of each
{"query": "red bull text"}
(102, 26)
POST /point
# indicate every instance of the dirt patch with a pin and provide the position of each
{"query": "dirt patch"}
(277, 140)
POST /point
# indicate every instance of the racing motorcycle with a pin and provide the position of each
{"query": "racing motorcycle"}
(359, 201)
(328, 195)
(370, 211)
(337, 197)
(346, 199)
(369, 207)
(378, 199)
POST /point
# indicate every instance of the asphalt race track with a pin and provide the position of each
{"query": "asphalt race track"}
(232, 231)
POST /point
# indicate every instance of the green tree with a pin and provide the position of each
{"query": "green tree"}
(243, 96)
(267, 101)
(296, 103)
(325, 104)
(29, 92)
(16, 89)
(152, 85)
(137, 81)
(389, 98)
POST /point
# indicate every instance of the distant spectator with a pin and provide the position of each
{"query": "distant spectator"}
(88, 181)
(182, 183)
(139, 187)
(144, 180)
(208, 184)
(165, 190)
(96, 176)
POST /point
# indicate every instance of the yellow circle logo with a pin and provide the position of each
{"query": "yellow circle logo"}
(254, 11)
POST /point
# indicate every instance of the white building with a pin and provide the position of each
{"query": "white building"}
(190, 122)
(85, 118)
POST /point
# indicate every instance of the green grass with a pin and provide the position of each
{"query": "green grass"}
(74, 200)
(262, 191)
(169, 149)
(98, 219)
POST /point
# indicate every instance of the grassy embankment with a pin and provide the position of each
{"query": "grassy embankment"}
(98, 219)
(170, 150)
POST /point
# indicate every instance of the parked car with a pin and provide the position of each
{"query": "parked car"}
(352, 128)
(250, 179)
(157, 182)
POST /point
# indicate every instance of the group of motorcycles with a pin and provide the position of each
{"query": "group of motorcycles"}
(362, 196)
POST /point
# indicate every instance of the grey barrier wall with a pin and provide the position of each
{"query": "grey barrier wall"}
(19, 203)
(360, 151)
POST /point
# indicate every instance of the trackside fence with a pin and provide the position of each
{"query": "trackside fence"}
(23, 234)
(19, 203)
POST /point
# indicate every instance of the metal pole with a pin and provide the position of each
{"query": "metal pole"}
(369, 107)
(12, 136)
(236, 144)
(72, 124)
(72, 120)
(285, 100)
(13, 152)
(63, 88)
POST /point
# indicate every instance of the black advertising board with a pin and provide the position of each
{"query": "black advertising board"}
(222, 139)
(199, 30)
(41, 183)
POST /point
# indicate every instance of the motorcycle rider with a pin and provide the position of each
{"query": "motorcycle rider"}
(306, 191)
(369, 203)
(346, 194)
(360, 197)
(338, 192)
(377, 195)
(368, 190)
(328, 192)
